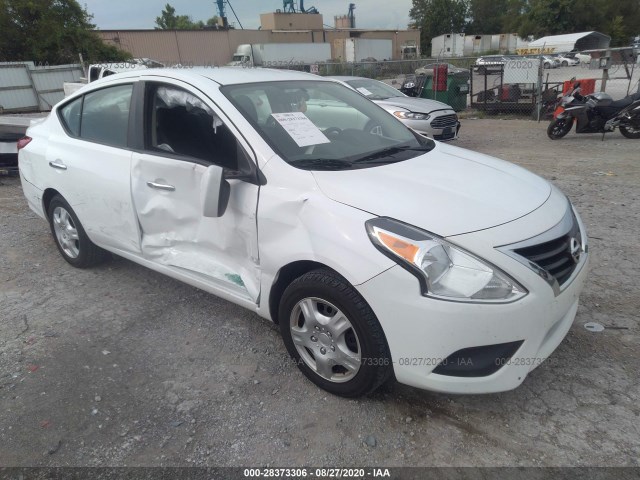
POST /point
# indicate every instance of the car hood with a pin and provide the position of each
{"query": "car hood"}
(417, 105)
(448, 191)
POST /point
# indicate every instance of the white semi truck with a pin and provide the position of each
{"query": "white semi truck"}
(280, 54)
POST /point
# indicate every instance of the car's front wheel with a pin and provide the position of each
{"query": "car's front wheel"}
(333, 335)
(70, 237)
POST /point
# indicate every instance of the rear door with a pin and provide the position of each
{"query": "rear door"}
(185, 133)
(89, 163)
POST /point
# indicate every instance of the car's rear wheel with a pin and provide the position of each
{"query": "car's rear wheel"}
(559, 127)
(71, 239)
(333, 335)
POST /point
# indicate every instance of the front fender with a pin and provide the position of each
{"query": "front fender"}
(297, 222)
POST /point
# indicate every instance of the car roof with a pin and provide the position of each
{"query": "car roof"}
(220, 75)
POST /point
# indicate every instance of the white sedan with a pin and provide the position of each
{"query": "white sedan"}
(428, 117)
(380, 253)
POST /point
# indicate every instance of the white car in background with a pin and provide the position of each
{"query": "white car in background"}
(428, 117)
(567, 59)
(380, 253)
(583, 57)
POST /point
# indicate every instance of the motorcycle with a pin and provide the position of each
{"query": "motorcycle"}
(596, 113)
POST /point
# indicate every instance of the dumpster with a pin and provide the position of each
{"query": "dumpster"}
(457, 89)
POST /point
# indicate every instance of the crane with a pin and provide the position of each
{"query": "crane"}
(311, 10)
(223, 14)
(351, 15)
(289, 6)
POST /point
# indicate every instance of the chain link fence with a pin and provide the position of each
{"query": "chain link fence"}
(500, 83)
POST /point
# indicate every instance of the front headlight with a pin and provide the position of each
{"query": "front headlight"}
(444, 270)
(411, 115)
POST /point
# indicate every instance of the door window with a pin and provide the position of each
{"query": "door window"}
(180, 123)
(105, 115)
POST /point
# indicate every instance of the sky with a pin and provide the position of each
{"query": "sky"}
(127, 14)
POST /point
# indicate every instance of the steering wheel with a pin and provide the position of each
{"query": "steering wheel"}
(332, 132)
(271, 122)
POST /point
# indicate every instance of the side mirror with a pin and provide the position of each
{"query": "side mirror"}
(214, 192)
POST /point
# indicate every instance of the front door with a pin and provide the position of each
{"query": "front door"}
(184, 135)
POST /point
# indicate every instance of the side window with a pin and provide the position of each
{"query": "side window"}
(179, 122)
(70, 114)
(105, 115)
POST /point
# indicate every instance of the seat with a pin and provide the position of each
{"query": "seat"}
(247, 107)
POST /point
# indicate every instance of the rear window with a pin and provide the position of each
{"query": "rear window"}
(70, 114)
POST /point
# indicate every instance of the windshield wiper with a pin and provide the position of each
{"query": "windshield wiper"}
(388, 152)
(321, 163)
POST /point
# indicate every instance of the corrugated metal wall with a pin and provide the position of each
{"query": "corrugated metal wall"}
(25, 87)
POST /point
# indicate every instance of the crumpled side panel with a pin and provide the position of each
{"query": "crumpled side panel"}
(298, 222)
(175, 233)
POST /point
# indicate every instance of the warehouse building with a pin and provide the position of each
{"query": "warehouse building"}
(217, 46)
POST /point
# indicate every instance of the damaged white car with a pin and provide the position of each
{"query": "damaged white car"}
(379, 252)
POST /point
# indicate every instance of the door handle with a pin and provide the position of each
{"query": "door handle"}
(58, 165)
(160, 186)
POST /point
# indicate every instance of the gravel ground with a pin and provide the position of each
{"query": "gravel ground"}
(122, 366)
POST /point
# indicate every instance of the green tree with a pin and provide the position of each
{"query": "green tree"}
(51, 31)
(168, 20)
(437, 17)
(486, 17)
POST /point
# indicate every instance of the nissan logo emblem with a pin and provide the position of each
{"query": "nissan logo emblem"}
(575, 249)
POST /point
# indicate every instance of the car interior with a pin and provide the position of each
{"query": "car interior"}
(183, 125)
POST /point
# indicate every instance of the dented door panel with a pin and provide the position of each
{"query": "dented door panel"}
(223, 250)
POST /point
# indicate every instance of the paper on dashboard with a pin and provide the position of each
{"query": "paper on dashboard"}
(301, 129)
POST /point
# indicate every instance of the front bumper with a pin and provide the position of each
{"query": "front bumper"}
(423, 127)
(422, 332)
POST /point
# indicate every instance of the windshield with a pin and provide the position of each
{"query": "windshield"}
(320, 125)
(374, 90)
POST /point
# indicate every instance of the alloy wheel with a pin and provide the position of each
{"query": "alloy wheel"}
(66, 232)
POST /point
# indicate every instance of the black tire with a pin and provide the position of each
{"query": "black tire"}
(559, 127)
(565, 64)
(88, 254)
(630, 131)
(365, 332)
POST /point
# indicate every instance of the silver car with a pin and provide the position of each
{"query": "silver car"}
(430, 118)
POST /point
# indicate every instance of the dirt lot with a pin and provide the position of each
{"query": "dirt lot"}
(122, 366)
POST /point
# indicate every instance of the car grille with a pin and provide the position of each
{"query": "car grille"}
(555, 256)
(447, 136)
(445, 121)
